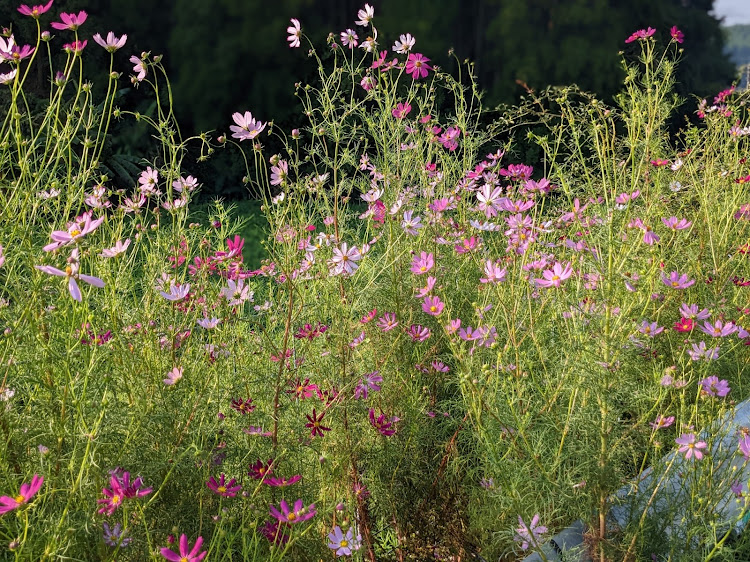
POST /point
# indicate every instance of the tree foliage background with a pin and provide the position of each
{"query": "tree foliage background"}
(231, 55)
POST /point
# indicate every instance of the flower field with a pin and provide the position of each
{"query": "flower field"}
(447, 354)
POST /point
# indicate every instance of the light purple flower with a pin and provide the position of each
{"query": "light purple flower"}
(650, 329)
(700, 351)
(343, 544)
(112, 43)
(690, 447)
(718, 329)
(677, 281)
(71, 274)
(176, 292)
(368, 382)
(712, 386)
(529, 535)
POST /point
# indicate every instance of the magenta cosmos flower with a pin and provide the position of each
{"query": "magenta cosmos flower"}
(223, 488)
(401, 110)
(422, 263)
(186, 553)
(712, 386)
(26, 492)
(71, 273)
(247, 128)
(690, 447)
(676, 34)
(70, 21)
(297, 514)
(433, 306)
(417, 66)
(555, 276)
(34, 11)
(641, 34)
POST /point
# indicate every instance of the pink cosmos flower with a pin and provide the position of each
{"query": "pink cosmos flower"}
(26, 492)
(186, 554)
(282, 482)
(401, 110)
(422, 263)
(383, 424)
(641, 34)
(365, 15)
(712, 386)
(173, 376)
(223, 488)
(294, 515)
(8, 77)
(662, 422)
(71, 274)
(368, 83)
(699, 351)
(295, 32)
(115, 250)
(34, 11)
(649, 236)
(418, 333)
(76, 47)
(676, 224)
(493, 272)
(2, 257)
(387, 322)
(349, 38)
(247, 128)
(677, 35)
(14, 53)
(690, 447)
(70, 21)
(529, 535)
(684, 325)
(417, 66)
(368, 382)
(433, 306)
(427, 289)
(677, 281)
(344, 260)
(650, 329)
(76, 230)
(139, 67)
(744, 446)
(691, 311)
(404, 44)
(718, 329)
(112, 43)
(555, 276)
(176, 292)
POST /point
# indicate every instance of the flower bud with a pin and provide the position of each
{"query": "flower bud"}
(46, 36)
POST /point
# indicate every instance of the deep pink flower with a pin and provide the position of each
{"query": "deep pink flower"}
(70, 21)
(401, 110)
(315, 425)
(418, 333)
(641, 34)
(15, 53)
(26, 492)
(684, 325)
(223, 488)
(261, 470)
(34, 11)
(417, 66)
(297, 514)
(690, 447)
(282, 482)
(382, 424)
(677, 35)
(186, 553)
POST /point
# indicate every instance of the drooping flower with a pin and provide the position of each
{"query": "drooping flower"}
(690, 447)
(529, 535)
(417, 66)
(186, 554)
(246, 127)
(70, 21)
(295, 32)
(112, 43)
(365, 15)
(661, 422)
(296, 514)
(26, 492)
(139, 67)
(35, 11)
(343, 544)
(274, 532)
(222, 487)
(72, 275)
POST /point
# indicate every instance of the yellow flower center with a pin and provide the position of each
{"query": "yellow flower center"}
(675, 284)
(75, 232)
(184, 559)
(555, 277)
(433, 308)
(221, 489)
(116, 499)
(20, 499)
(68, 270)
(292, 516)
(344, 543)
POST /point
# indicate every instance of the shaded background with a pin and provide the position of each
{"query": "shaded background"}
(231, 55)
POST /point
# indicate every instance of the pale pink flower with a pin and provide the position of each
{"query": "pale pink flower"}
(176, 292)
(148, 181)
(555, 276)
(71, 274)
(365, 15)
(676, 224)
(349, 38)
(662, 422)
(173, 376)
(295, 32)
(344, 260)
(529, 535)
(247, 128)
(404, 44)
(115, 250)
(401, 110)
(112, 43)
(493, 272)
(690, 447)
(139, 67)
(76, 230)
(8, 77)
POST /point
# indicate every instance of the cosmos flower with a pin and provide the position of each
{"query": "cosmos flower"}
(295, 32)
(246, 127)
(296, 514)
(70, 21)
(112, 43)
(26, 492)
(186, 554)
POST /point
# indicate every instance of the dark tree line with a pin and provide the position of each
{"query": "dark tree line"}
(231, 55)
